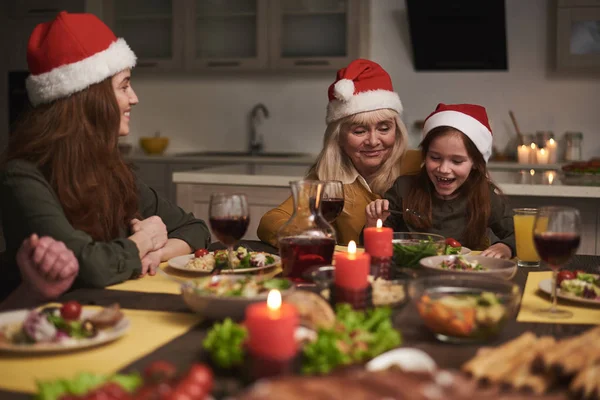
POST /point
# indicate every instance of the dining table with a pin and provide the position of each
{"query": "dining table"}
(186, 348)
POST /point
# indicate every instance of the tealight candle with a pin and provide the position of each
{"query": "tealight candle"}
(552, 150)
(549, 177)
(524, 154)
(271, 327)
(542, 156)
(378, 243)
(351, 280)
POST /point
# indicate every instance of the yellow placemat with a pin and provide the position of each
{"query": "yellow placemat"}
(345, 249)
(149, 330)
(160, 283)
(534, 299)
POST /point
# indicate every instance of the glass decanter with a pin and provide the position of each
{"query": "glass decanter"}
(306, 240)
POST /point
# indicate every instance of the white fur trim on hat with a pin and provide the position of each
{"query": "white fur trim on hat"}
(475, 130)
(71, 78)
(343, 89)
(364, 101)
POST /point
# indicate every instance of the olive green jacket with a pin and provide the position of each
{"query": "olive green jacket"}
(29, 205)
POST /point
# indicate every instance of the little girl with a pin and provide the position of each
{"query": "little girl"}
(452, 194)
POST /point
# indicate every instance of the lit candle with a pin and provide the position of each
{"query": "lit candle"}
(271, 327)
(549, 175)
(523, 154)
(551, 148)
(542, 156)
(352, 269)
(378, 240)
(533, 154)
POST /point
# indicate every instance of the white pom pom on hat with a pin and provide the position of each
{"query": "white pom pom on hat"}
(360, 87)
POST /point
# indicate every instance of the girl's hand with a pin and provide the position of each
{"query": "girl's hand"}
(375, 210)
(153, 228)
(498, 250)
(151, 262)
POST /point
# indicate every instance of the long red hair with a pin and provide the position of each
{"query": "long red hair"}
(476, 189)
(74, 142)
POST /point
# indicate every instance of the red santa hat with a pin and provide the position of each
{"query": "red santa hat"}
(70, 53)
(361, 86)
(470, 119)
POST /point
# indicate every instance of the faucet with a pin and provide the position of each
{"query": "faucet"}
(255, 144)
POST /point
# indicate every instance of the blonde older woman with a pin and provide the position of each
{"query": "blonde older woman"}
(364, 144)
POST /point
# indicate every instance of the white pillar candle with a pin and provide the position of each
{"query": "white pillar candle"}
(552, 150)
(523, 154)
(542, 156)
(533, 153)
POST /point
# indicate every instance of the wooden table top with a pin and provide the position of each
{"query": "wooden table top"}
(187, 348)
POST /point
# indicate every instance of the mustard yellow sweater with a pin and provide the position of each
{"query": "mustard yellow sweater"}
(350, 222)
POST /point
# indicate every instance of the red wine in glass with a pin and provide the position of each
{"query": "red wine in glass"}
(229, 229)
(556, 248)
(301, 253)
(331, 208)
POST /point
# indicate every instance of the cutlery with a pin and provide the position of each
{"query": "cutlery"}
(406, 210)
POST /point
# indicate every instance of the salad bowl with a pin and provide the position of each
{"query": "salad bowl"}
(411, 247)
(469, 265)
(227, 296)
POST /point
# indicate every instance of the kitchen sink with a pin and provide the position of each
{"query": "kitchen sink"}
(241, 154)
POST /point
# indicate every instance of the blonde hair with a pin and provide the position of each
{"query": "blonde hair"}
(333, 164)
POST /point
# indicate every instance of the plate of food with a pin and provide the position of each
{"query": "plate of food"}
(575, 286)
(226, 296)
(60, 328)
(469, 264)
(244, 261)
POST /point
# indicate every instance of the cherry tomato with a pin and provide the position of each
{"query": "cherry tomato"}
(202, 375)
(200, 253)
(158, 371)
(452, 242)
(71, 310)
(564, 275)
(192, 388)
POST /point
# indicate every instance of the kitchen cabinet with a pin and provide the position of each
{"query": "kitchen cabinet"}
(210, 35)
(153, 29)
(578, 35)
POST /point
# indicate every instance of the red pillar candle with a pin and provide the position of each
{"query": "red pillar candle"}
(271, 328)
(352, 268)
(378, 241)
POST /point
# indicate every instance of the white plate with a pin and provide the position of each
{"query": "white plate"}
(180, 263)
(465, 250)
(546, 287)
(103, 336)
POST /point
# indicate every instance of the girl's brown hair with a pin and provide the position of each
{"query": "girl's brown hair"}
(476, 189)
(74, 142)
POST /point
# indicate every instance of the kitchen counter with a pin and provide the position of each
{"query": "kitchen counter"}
(512, 183)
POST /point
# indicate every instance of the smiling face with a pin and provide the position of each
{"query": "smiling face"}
(448, 163)
(368, 140)
(126, 98)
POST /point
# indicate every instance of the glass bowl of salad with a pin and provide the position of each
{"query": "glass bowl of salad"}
(411, 247)
(464, 308)
(227, 296)
(469, 264)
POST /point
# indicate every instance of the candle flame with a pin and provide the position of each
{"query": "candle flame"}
(274, 300)
(551, 141)
(523, 146)
(533, 146)
(542, 151)
(352, 247)
(550, 178)
(532, 172)
(379, 223)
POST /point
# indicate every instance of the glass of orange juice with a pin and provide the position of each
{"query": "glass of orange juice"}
(524, 219)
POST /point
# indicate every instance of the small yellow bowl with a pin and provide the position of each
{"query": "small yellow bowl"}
(154, 145)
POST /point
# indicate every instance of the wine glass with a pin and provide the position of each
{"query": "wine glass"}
(332, 202)
(229, 220)
(556, 234)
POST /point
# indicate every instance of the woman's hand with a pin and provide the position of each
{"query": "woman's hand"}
(47, 266)
(498, 250)
(153, 228)
(151, 262)
(375, 210)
